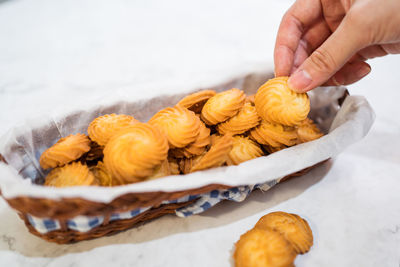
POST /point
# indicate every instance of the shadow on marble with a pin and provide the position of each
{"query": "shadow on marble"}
(15, 237)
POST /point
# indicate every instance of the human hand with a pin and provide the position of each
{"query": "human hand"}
(328, 41)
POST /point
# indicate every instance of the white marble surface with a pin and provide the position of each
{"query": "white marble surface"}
(54, 52)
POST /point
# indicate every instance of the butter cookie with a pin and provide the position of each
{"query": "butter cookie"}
(277, 103)
(222, 106)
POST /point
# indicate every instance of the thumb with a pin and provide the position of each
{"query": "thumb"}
(324, 62)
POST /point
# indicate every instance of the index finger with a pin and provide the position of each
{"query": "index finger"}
(301, 15)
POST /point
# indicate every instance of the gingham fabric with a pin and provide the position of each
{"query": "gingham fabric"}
(203, 203)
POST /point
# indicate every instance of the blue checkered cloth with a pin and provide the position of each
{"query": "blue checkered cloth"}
(203, 203)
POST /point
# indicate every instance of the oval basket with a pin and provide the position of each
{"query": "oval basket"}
(64, 208)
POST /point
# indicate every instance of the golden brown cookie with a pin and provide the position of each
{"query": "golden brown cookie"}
(295, 229)
(161, 171)
(271, 149)
(263, 248)
(277, 103)
(308, 131)
(180, 125)
(104, 127)
(174, 166)
(186, 164)
(216, 156)
(246, 119)
(74, 174)
(132, 154)
(250, 99)
(102, 175)
(274, 135)
(67, 149)
(196, 101)
(200, 144)
(222, 106)
(243, 149)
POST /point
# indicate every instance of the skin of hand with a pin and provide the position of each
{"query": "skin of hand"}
(326, 42)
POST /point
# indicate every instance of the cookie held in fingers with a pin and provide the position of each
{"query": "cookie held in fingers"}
(216, 156)
(295, 229)
(307, 131)
(196, 101)
(134, 153)
(243, 149)
(222, 106)
(180, 125)
(263, 248)
(66, 150)
(246, 119)
(74, 174)
(277, 103)
(104, 127)
(274, 135)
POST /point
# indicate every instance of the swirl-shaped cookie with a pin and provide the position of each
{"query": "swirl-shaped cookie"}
(246, 119)
(222, 106)
(196, 101)
(134, 153)
(263, 248)
(74, 174)
(104, 127)
(180, 125)
(243, 149)
(200, 144)
(67, 149)
(308, 131)
(295, 229)
(274, 135)
(216, 156)
(102, 175)
(271, 149)
(277, 103)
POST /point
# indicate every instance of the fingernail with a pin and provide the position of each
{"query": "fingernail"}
(299, 81)
(363, 71)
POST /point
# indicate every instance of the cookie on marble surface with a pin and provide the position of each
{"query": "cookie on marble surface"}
(102, 128)
(73, 174)
(263, 248)
(246, 119)
(223, 106)
(216, 156)
(135, 152)
(243, 149)
(180, 125)
(277, 103)
(295, 229)
(196, 101)
(307, 131)
(66, 150)
(274, 135)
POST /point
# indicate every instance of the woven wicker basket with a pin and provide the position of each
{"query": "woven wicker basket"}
(67, 208)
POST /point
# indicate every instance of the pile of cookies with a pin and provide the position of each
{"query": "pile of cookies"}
(203, 130)
(274, 241)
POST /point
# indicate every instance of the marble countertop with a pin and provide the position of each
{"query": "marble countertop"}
(54, 52)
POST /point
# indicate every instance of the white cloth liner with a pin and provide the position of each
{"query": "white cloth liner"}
(23, 145)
